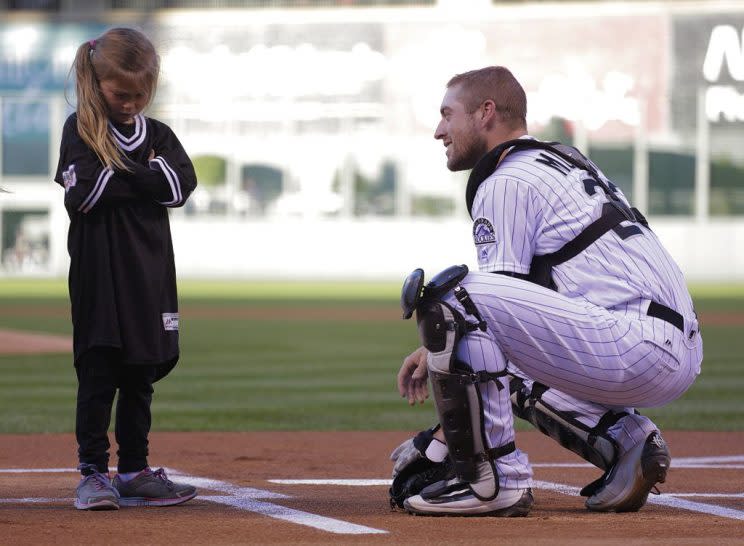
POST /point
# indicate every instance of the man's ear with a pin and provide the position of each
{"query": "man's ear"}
(487, 113)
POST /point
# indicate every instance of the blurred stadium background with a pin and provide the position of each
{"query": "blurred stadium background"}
(310, 123)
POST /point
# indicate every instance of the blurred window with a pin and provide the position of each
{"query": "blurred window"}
(25, 241)
(263, 184)
(726, 187)
(617, 164)
(210, 169)
(202, 4)
(25, 138)
(671, 181)
(432, 205)
(374, 194)
(46, 5)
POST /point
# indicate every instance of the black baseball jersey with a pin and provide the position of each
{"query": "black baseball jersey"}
(122, 277)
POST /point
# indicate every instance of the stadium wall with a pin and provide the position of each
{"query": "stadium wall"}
(319, 97)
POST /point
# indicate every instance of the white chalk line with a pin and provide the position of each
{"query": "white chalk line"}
(246, 498)
(673, 500)
(36, 470)
(333, 481)
(242, 498)
(720, 462)
(665, 499)
(296, 516)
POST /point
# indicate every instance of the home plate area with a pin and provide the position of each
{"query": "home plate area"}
(303, 493)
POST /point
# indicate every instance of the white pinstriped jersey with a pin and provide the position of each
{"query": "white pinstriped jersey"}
(535, 209)
(591, 341)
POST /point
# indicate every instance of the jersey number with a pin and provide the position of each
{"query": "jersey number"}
(590, 186)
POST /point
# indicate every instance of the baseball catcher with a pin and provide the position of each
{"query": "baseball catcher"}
(576, 317)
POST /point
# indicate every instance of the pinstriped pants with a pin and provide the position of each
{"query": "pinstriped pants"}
(593, 359)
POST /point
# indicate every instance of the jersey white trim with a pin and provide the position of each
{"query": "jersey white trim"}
(131, 143)
(171, 177)
(98, 188)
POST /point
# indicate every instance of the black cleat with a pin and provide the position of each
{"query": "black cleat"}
(628, 483)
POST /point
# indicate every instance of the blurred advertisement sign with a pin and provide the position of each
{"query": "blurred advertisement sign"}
(708, 54)
(36, 57)
(724, 61)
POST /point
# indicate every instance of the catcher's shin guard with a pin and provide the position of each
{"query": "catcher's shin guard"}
(593, 445)
(457, 398)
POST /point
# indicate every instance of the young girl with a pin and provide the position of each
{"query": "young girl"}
(121, 171)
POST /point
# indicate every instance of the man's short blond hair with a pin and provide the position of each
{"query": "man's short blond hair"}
(497, 84)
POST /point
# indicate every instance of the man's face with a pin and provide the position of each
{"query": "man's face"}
(459, 133)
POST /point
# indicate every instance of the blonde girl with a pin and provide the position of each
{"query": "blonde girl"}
(121, 171)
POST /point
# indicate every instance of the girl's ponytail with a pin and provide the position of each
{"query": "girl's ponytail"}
(92, 112)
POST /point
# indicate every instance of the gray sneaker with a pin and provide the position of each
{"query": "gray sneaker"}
(95, 492)
(152, 488)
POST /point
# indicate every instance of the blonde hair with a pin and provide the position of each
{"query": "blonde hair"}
(497, 84)
(119, 53)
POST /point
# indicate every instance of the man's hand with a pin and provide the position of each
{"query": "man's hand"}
(412, 377)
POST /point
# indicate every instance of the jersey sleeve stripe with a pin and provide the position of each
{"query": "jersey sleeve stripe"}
(173, 181)
(97, 191)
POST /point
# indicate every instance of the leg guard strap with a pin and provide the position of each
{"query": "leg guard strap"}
(498, 452)
(592, 444)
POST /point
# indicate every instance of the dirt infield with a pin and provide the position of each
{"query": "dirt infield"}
(21, 342)
(254, 489)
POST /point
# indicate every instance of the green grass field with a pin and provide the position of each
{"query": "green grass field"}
(290, 371)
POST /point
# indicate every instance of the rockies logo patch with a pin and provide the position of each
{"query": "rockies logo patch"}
(483, 232)
(69, 178)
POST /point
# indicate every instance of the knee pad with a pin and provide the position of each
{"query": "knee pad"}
(440, 328)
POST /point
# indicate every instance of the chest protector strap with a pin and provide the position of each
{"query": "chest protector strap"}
(614, 212)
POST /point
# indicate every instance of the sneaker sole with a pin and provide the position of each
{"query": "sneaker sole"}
(144, 501)
(519, 509)
(653, 469)
(105, 504)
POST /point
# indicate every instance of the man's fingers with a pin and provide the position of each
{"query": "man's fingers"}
(406, 374)
(417, 392)
(412, 377)
(420, 373)
(404, 381)
(422, 393)
(411, 398)
(419, 385)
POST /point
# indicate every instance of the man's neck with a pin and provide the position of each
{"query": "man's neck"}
(513, 135)
(502, 137)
